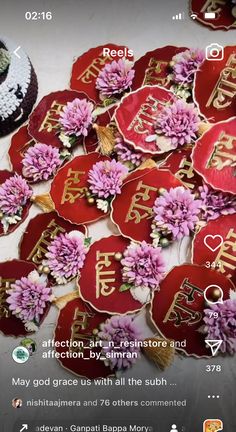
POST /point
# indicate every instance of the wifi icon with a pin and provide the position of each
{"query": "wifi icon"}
(193, 16)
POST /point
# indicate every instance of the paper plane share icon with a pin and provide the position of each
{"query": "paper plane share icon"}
(214, 345)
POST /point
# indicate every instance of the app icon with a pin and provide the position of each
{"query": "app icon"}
(213, 294)
(214, 52)
(174, 428)
(212, 425)
(214, 345)
(213, 242)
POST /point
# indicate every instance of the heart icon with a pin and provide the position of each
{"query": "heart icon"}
(213, 242)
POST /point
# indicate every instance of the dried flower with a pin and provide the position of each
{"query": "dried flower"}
(215, 203)
(105, 178)
(66, 255)
(143, 265)
(28, 297)
(115, 78)
(120, 331)
(177, 212)
(14, 194)
(40, 162)
(126, 154)
(102, 205)
(224, 326)
(76, 117)
(186, 64)
(179, 122)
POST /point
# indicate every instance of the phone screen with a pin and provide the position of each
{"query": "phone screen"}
(118, 216)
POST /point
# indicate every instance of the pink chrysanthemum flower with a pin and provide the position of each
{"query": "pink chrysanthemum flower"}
(224, 326)
(126, 154)
(120, 329)
(76, 117)
(66, 255)
(186, 64)
(179, 122)
(115, 78)
(106, 177)
(14, 194)
(143, 265)
(215, 203)
(40, 162)
(177, 212)
(28, 297)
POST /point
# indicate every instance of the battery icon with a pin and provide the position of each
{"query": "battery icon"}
(210, 15)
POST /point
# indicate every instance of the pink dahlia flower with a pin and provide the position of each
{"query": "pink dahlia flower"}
(215, 203)
(14, 194)
(143, 265)
(28, 297)
(179, 122)
(177, 211)
(224, 326)
(41, 161)
(66, 255)
(126, 154)
(106, 177)
(120, 330)
(76, 117)
(115, 78)
(186, 64)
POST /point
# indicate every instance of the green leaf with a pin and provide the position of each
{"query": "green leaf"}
(87, 241)
(125, 287)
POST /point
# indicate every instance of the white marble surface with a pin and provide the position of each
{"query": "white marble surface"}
(78, 25)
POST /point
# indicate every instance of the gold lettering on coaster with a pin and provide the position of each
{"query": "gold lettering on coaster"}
(186, 170)
(137, 210)
(50, 121)
(104, 278)
(213, 6)
(225, 88)
(40, 249)
(72, 191)
(146, 115)
(5, 284)
(226, 257)
(93, 70)
(22, 150)
(154, 69)
(80, 323)
(180, 310)
(223, 154)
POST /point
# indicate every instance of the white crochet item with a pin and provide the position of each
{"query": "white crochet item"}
(18, 79)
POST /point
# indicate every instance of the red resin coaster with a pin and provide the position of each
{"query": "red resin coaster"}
(4, 175)
(76, 323)
(69, 187)
(20, 143)
(153, 67)
(214, 156)
(132, 209)
(180, 164)
(87, 67)
(136, 116)
(215, 246)
(39, 234)
(44, 123)
(101, 278)
(225, 13)
(10, 271)
(177, 309)
(217, 100)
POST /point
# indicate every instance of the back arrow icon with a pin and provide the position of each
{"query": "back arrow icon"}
(17, 55)
(24, 427)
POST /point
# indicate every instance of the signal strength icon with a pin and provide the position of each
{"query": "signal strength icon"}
(179, 16)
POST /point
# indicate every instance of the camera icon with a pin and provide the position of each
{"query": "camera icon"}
(214, 52)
